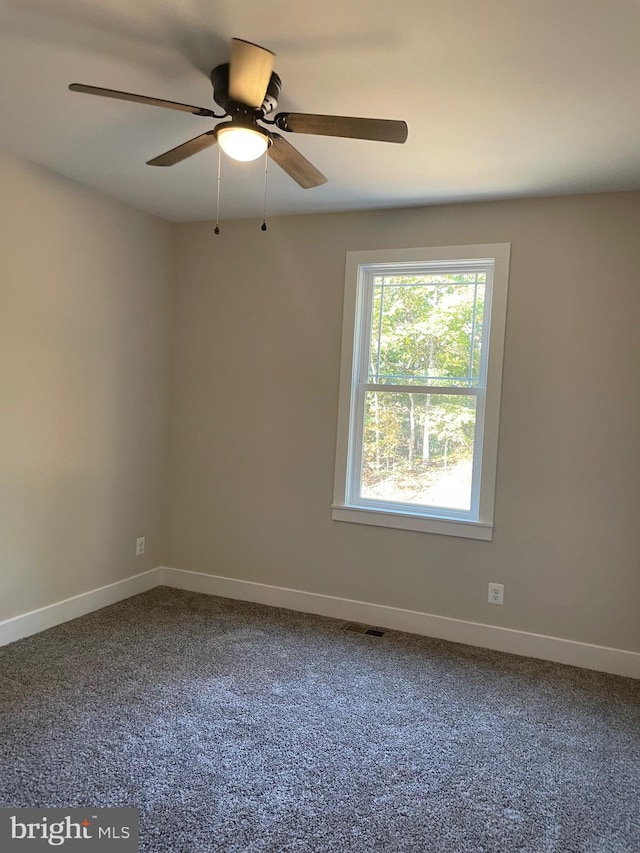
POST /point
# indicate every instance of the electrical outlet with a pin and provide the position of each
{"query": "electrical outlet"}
(140, 543)
(496, 593)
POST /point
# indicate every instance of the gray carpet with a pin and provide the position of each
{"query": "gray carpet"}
(241, 728)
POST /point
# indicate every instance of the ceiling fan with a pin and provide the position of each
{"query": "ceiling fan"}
(247, 89)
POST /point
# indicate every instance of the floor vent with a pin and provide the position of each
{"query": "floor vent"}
(355, 628)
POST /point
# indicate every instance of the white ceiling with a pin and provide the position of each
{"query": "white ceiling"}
(503, 98)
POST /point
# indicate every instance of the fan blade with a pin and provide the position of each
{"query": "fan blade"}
(141, 99)
(249, 72)
(294, 164)
(377, 129)
(187, 149)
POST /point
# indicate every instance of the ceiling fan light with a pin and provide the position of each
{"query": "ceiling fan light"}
(242, 143)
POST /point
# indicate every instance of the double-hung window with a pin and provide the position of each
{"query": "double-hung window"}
(423, 338)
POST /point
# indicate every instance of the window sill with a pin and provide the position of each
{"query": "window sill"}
(407, 521)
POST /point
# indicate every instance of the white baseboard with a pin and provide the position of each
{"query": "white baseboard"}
(601, 658)
(62, 611)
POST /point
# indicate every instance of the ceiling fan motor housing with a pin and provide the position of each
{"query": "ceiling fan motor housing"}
(272, 94)
(220, 82)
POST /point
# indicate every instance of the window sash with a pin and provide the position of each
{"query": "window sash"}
(371, 283)
(364, 308)
(356, 461)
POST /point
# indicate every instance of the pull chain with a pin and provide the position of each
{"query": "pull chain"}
(263, 227)
(216, 230)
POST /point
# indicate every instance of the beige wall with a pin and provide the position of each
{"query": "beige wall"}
(255, 333)
(83, 286)
(256, 340)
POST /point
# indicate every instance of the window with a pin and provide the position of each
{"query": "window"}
(423, 336)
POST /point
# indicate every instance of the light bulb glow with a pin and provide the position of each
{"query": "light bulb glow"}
(242, 143)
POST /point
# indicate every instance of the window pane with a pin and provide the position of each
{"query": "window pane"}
(418, 449)
(427, 329)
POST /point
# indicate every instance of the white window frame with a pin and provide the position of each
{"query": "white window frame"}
(360, 269)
